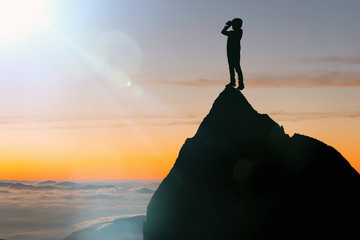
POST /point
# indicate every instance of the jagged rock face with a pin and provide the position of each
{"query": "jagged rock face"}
(242, 177)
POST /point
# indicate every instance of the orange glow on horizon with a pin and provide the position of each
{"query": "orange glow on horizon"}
(90, 161)
(81, 170)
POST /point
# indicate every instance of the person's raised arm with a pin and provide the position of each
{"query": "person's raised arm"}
(225, 29)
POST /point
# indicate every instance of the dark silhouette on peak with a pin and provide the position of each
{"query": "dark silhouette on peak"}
(242, 177)
(233, 50)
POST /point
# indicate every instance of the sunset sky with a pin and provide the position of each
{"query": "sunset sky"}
(97, 89)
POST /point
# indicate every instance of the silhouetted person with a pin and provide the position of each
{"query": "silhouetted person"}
(233, 50)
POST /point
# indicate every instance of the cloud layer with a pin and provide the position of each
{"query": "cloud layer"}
(38, 210)
(346, 59)
(300, 80)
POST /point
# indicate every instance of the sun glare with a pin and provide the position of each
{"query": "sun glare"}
(19, 18)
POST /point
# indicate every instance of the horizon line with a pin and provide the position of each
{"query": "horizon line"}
(79, 179)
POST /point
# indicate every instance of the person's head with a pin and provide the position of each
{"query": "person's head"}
(236, 23)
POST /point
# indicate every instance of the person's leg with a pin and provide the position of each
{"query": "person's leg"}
(240, 77)
(232, 76)
(232, 72)
(236, 62)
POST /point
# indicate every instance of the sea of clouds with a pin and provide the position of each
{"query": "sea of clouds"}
(49, 210)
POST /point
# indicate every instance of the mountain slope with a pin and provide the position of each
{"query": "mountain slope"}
(242, 177)
(123, 228)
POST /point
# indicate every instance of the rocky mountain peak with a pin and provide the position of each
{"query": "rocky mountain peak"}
(242, 177)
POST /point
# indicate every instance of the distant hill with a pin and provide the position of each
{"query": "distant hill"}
(67, 184)
(48, 182)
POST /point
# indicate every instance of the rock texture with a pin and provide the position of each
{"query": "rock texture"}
(242, 177)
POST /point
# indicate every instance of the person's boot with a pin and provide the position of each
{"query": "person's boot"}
(231, 84)
(241, 85)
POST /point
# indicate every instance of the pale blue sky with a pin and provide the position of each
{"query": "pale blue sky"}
(182, 38)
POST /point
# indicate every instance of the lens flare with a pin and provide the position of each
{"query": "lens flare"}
(118, 51)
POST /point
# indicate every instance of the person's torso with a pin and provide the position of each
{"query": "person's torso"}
(233, 42)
